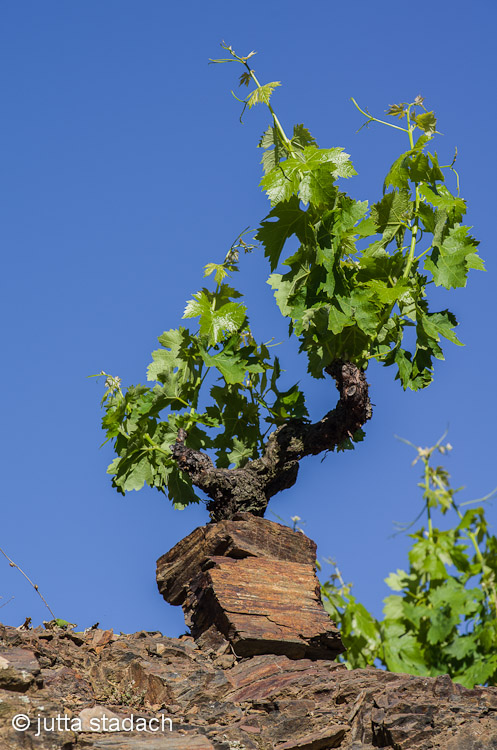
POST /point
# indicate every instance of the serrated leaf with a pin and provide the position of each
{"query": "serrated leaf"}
(400, 172)
(173, 339)
(420, 169)
(397, 110)
(440, 324)
(288, 404)
(437, 175)
(392, 213)
(393, 607)
(385, 293)
(480, 670)
(425, 168)
(281, 182)
(131, 475)
(361, 309)
(452, 594)
(162, 366)
(475, 262)
(274, 149)
(214, 324)
(165, 360)
(178, 369)
(366, 228)
(245, 79)
(364, 623)
(302, 137)
(351, 343)
(426, 557)
(231, 364)
(180, 489)
(219, 270)
(404, 655)
(461, 647)
(434, 220)
(404, 364)
(397, 581)
(267, 139)
(441, 626)
(228, 319)
(282, 291)
(317, 186)
(280, 224)
(443, 199)
(450, 262)
(349, 214)
(239, 417)
(336, 158)
(427, 122)
(262, 94)
(310, 174)
(240, 453)
(337, 320)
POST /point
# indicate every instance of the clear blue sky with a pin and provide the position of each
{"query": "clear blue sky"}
(124, 170)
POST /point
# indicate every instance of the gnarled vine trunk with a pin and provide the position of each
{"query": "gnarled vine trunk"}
(250, 487)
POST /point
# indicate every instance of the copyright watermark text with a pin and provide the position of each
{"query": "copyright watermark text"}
(87, 723)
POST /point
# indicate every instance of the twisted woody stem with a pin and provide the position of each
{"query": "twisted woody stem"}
(249, 488)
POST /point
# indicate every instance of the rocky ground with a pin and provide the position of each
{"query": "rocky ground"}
(69, 685)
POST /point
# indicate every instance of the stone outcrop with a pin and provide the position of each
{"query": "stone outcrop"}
(256, 673)
(216, 701)
(253, 582)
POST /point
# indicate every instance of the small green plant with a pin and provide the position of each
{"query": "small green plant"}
(122, 692)
(353, 288)
(443, 617)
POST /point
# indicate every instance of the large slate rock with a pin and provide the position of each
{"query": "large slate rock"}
(253, 582)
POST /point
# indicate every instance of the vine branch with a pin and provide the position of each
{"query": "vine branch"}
(249, 488)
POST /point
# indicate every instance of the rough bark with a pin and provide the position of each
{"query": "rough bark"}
(219, 702)
(249, 488)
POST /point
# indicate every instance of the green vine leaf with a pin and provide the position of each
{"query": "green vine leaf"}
(397, 110)
(442, 617)
(240, 454)
(285, 220)
(215, 323)
(443, 199)
(427, 122)
(233, 363)
(391, 215)
(353, 286)
(310, 175)
(450, 262)
(262, 94)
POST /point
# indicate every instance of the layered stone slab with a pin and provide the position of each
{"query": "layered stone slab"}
(220, 702)
(19, 669)
(253, 582)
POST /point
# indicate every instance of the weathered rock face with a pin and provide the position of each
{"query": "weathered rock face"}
(64, 681)
(257, 673)
(252, 582)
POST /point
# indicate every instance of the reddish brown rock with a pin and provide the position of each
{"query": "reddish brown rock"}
(18, 669)
(254, 582)
(326, 738)
(264, 702)
(249, 591)
(245, 536)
